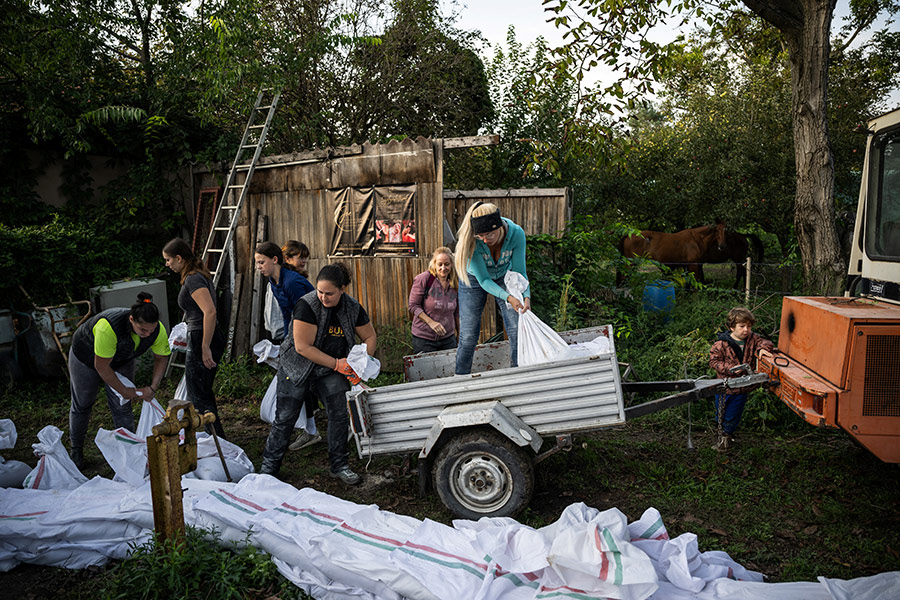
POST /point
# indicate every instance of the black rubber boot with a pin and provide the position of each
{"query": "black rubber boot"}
(77, 456)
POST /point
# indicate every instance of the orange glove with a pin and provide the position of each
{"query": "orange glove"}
(343, 368)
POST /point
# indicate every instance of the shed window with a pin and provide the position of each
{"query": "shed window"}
(378, 220)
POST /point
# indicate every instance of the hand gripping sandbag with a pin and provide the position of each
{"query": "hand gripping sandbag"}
(365, 366)
(537, 342)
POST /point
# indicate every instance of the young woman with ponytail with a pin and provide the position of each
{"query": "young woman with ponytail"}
(206, 344)
(489, 245)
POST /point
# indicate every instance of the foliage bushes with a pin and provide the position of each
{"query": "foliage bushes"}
(573, 280)
(63, 259)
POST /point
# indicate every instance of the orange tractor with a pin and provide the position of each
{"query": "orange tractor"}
(838, 358)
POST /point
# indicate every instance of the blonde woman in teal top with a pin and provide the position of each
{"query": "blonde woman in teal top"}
(489, 245)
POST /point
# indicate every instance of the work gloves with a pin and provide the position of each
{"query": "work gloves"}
(344, 369)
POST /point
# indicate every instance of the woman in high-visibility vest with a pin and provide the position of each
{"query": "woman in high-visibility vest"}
(103, 347)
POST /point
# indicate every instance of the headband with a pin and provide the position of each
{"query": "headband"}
(486, 223)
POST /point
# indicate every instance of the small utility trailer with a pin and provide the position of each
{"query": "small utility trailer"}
(480, 435)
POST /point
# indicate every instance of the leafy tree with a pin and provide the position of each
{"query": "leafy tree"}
(616, 34)
(528, 113)
(352, 72)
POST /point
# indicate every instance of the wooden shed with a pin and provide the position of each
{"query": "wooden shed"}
(380, 208)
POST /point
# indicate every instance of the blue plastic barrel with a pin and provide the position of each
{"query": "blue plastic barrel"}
(659, 297)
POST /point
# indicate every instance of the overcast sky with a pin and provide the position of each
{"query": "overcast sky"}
(493, 18)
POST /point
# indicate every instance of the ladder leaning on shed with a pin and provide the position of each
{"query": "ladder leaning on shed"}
(226, 218)
(224, 223)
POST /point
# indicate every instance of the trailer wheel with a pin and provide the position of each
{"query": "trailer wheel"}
(483, 474)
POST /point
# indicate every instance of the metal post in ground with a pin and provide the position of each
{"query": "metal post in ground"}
(747, 285)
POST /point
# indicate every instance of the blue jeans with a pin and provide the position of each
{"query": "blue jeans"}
(332, 389)
(734, 409)
(471, 300)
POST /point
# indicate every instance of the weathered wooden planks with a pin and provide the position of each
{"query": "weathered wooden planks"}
(290, 192)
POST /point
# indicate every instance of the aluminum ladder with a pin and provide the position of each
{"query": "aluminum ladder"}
(221, 233)
(225, 221)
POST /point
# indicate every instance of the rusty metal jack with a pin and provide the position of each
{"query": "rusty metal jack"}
(169, 460)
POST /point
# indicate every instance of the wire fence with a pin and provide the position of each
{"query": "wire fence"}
(757, 278)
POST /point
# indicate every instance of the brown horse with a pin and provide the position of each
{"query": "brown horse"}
(736, 250)
(684, 249)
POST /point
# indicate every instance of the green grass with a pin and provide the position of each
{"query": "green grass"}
(197, 566)
(791, 501)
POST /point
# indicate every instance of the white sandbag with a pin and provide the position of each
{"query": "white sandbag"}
(443, 560)
(8, 435)
(516, 285)
(152, 414)
(599, 345)
(364, 542)
(365, 366)
(273, 320)
(267, 410)
(325, 589)
(125, 452)
(71, 529)
(230, 508)
(288, 530)
(537, 342)
(597, 557)
(238, 462)
(55, 470)
(181, 390)
(882, 585)
(178, 337)
(513, 546)
(266, 352)
(13, 473)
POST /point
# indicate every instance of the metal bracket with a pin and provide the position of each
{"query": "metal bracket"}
(492, 413)
(563, 442)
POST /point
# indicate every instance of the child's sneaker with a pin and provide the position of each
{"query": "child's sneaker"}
(304, 440)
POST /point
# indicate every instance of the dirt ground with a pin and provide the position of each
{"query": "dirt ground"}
(790, 506)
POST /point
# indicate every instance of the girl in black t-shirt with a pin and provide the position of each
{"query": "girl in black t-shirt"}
(205, 343)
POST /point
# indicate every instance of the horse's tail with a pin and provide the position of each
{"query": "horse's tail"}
(759, 252)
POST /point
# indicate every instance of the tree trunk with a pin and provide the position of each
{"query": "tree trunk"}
(806, 25)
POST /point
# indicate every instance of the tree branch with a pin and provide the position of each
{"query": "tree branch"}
(786, 15)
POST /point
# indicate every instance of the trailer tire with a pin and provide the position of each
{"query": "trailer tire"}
(483, 474)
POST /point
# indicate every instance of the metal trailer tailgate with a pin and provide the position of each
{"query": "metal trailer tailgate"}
(573, 395)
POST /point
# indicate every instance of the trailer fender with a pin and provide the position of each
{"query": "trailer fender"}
(491, 413)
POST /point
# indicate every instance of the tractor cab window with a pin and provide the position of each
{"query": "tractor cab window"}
(883, 231)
